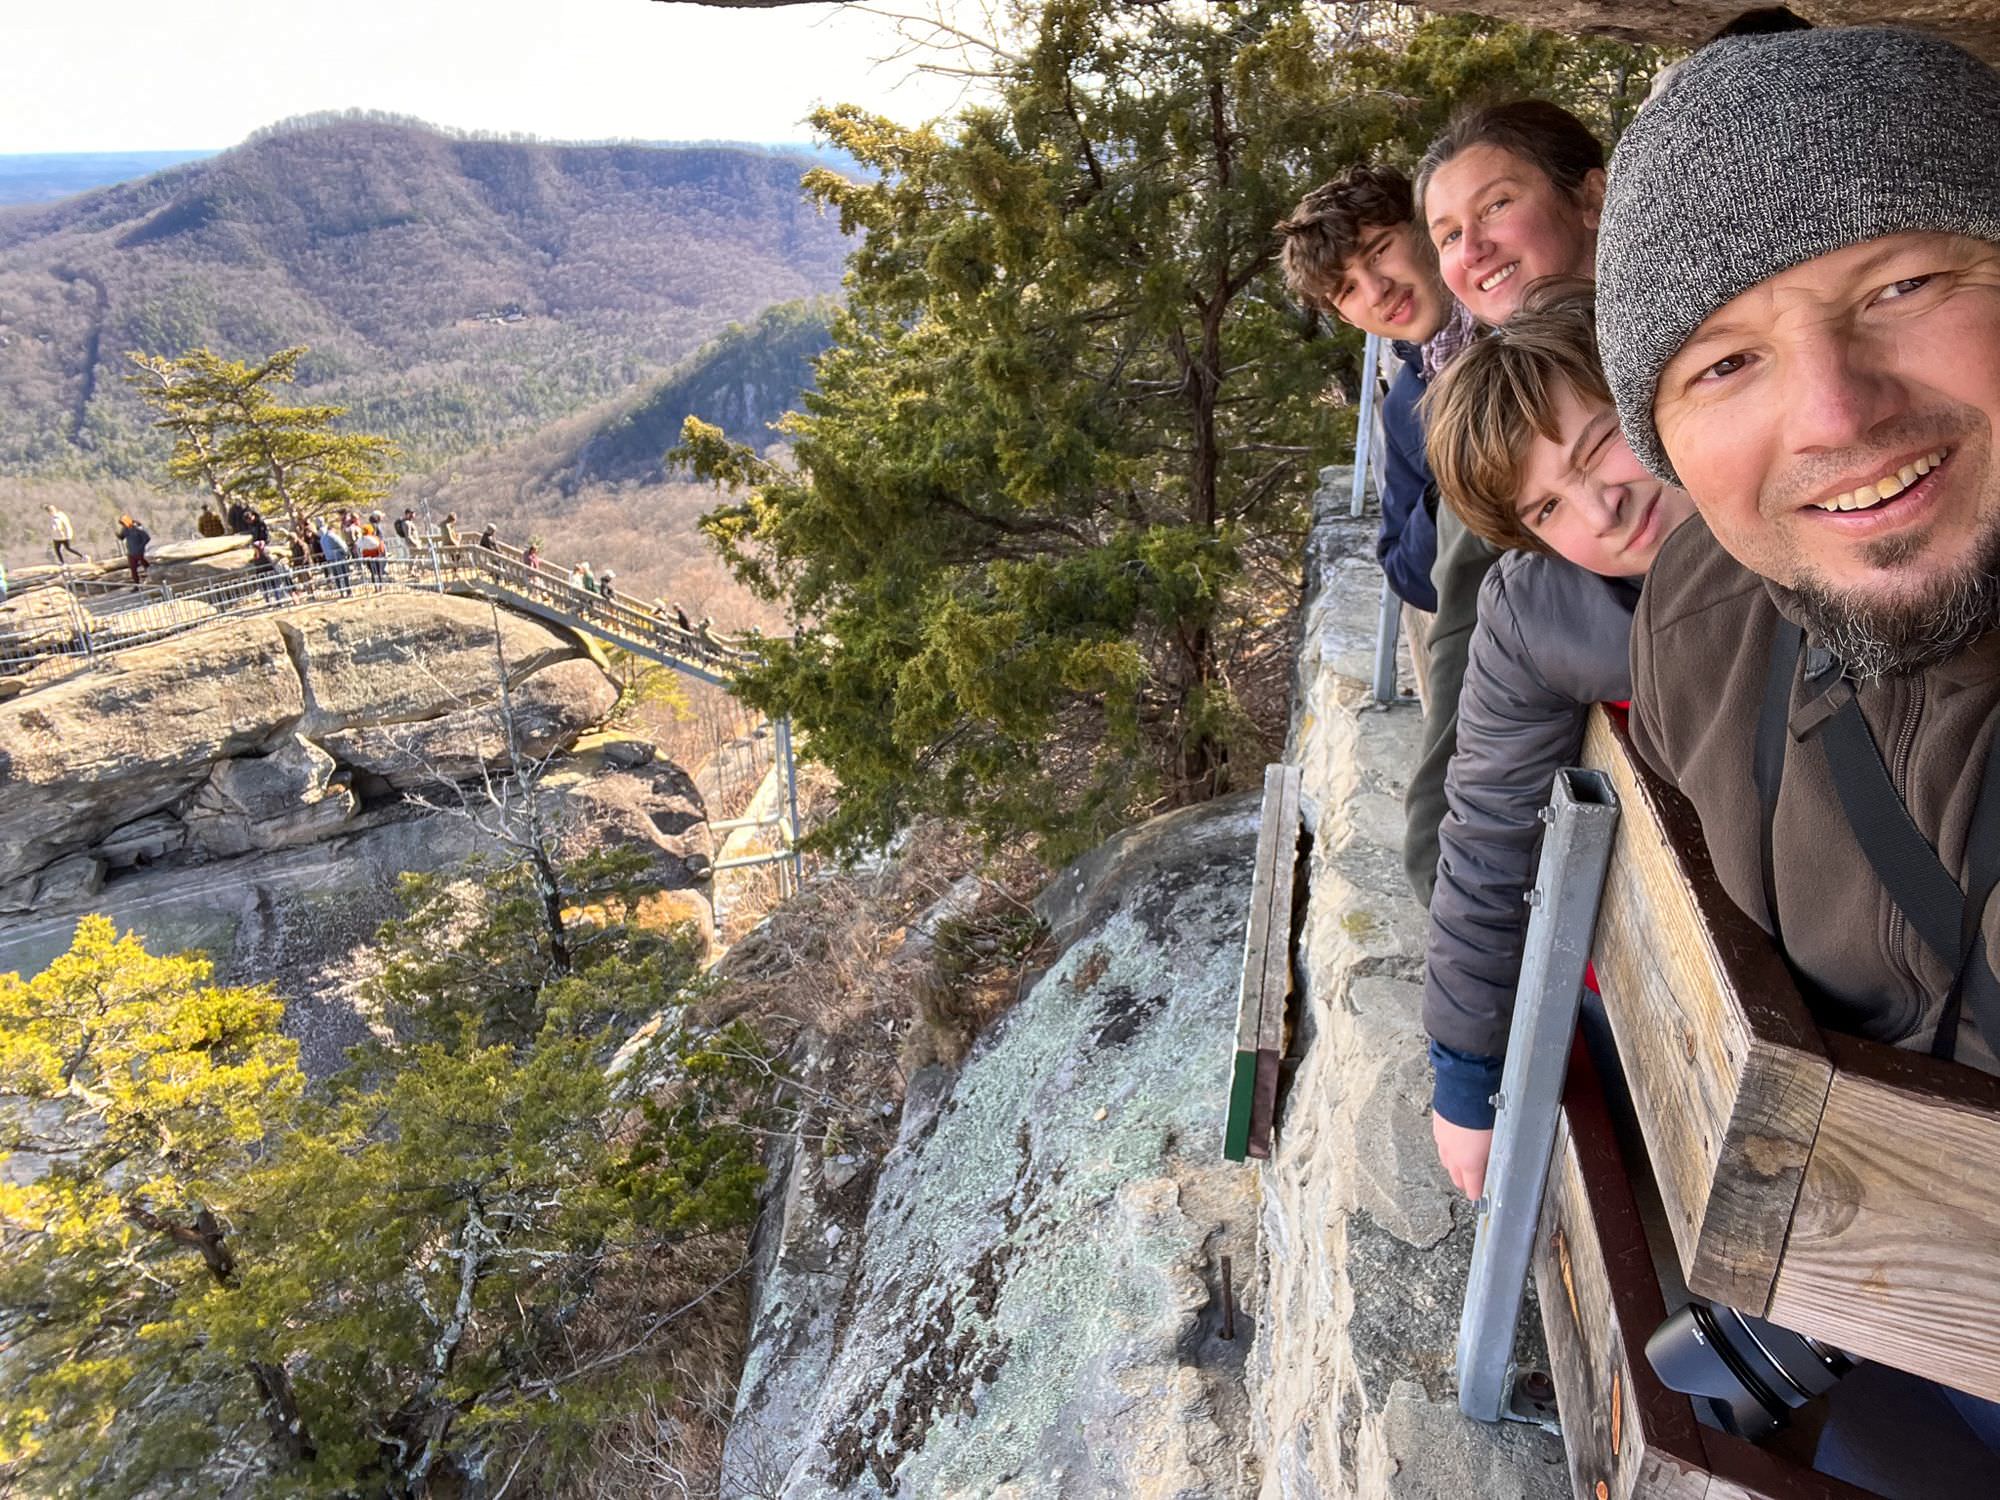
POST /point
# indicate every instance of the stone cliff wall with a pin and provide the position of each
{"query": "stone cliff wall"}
(1971, 23)
(1363, 1246)
(268, 732)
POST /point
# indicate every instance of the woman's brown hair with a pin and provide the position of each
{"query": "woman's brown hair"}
(1546, 136)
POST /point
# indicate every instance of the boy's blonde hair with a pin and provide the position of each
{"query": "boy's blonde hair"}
(1500, 394)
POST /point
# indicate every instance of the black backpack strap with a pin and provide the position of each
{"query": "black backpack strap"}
(1975, 983)
(1949, 922)
(1904, 861)
(1768, 762)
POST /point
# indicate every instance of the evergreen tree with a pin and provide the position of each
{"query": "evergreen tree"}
(1067, 406)
(236, 440)
(214, 1276)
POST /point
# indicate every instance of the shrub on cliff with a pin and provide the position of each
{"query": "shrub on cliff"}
(214, 1276)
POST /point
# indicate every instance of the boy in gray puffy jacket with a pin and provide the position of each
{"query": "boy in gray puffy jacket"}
(1525, 443)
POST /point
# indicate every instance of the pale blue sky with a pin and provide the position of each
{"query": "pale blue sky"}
(104, 75)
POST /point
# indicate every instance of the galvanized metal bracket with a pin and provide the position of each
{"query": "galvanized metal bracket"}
(1582, 817)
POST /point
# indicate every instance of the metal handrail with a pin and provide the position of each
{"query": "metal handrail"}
(154, 613)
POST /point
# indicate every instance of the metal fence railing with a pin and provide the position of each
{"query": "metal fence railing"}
(1378, 372)
(57, 621)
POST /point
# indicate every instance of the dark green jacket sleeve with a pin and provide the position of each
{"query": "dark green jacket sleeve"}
(1462, 561)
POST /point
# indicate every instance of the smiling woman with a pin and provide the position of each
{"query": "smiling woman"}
(1510, 195)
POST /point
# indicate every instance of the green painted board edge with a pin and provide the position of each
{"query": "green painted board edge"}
(1242, 1097)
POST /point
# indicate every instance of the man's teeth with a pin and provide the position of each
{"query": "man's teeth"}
(1888, 487)
(1499, 276)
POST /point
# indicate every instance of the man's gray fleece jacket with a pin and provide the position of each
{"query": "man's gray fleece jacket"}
(1552, 640)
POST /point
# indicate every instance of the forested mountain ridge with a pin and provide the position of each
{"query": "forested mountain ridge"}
(743, 380)
(456, 292)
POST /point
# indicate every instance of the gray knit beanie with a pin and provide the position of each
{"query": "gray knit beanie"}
(1764, 152)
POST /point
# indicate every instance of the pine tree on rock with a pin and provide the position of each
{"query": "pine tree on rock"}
(235, 439)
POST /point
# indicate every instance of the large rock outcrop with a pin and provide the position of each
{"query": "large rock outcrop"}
(106, 747)
(1971, 23)
(1029, 1302)
(263, 732)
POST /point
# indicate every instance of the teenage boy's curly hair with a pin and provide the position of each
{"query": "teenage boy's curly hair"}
(1326, 228)
(1497, 396)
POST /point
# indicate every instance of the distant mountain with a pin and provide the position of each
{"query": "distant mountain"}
(457, 293)
(45, 177)
(743, 380)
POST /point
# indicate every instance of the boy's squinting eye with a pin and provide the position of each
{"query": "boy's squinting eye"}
(1903, 288)
(1547, 509)
(1723, 368)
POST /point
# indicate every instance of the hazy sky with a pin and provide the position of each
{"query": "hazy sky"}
(101, 75)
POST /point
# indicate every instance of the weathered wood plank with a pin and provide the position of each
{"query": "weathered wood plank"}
(1726, 1069)
(1895, 1247)
(1600, 1300)
(1266, 941)
(1626, 1435)
(1282, 784)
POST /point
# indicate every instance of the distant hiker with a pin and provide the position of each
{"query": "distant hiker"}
(63, 535)
(448, 529)
(302, 551)
(374, 556)
(269, 575)
(239, 516)
(403, 543)
(681, 619)
(260, 529)
(583, 578)
(208, 523)
(488, 540)
(604, 588)
(333, 551)
(350, 532)
(532, 558)
(136, 539)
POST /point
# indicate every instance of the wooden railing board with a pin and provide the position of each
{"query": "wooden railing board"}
(1845, 1189)
(1265, 985)
(1726, 1068)
(1600, 1300)
(1895, 1249)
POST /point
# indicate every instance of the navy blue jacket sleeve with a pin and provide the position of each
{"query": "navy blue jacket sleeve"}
(1408, 544)
(1463, 1086)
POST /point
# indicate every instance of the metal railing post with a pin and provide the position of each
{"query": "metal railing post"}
(1387, 627)
(79, 621)
(791, 790)
(1582, 815)
(1388, 623)
(1364, 428)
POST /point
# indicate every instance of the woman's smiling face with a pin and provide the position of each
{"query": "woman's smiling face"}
(1500, 224)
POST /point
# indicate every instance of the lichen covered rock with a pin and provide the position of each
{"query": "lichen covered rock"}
(1031, 1306)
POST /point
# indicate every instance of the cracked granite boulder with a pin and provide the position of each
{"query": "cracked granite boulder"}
(1031, 1305)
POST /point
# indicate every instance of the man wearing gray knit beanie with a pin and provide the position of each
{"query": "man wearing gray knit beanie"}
(1799, 312)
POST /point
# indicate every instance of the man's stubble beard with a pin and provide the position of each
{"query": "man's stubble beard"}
(1888, 632)
(1877, 637)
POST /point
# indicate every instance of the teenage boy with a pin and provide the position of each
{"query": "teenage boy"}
(1525, 443)
(1353, 249)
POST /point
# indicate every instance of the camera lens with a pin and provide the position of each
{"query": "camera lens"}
(1749, 1372)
